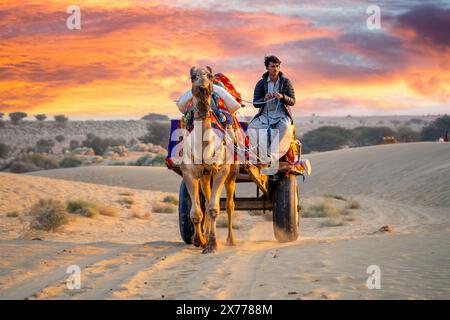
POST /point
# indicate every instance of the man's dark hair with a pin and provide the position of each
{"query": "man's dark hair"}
(273, 59)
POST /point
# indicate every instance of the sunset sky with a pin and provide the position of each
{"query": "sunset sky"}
(133, 57)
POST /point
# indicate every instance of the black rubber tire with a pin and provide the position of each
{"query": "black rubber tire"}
(286, 216)
(184, 218)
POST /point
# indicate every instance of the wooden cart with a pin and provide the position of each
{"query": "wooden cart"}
(278, 193)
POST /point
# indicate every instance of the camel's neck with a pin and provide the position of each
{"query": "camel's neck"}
(202, 99)
(202, 106)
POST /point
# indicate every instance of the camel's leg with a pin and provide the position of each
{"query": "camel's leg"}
(205, 184)
(214, 205)
(192, 185)
(230, 187)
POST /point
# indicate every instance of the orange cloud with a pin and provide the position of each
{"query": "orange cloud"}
(133, 57)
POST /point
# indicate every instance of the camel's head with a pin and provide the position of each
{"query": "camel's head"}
(202, 88)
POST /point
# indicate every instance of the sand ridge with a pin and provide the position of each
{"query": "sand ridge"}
(404, 186)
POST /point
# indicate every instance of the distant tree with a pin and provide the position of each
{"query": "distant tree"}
(1, 115)
(40, 117)
(157, 133)
(44, 146)
(4, 150)
(406, 134)
(436, 129)
(100, 145)
(395, 122)
(16, 117)
(74, 144)
(326, 138)
(155, 117)
(60, 138)
(367, 136)
(62, 119)
(416, 121)
(132, 142)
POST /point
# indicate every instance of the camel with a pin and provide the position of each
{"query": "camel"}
(200, 174)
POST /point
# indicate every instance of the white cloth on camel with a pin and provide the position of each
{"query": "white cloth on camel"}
(229, 101)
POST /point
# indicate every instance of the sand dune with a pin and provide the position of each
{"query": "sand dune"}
(414, 173)
(404, 186)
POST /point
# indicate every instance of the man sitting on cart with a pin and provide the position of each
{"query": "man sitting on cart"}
(273, 95)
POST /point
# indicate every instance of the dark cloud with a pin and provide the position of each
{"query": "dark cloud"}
(430, 23)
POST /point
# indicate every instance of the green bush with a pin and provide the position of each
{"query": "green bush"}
(41, 161)
(157, 133)
(171, 199)
(44, 145)
(367, 136)
(100, 145)
(70, 162)
(84, 207)
(22, 167)
(326, 138)
(406, 134)
(149, 161)
(436, 129)
(48, 214)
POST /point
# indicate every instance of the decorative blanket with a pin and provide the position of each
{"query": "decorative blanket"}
(221, 118)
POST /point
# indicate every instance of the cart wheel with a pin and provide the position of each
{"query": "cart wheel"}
(184, 219)
(286, 208)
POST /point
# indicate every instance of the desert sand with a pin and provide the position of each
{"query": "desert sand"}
(403, 186)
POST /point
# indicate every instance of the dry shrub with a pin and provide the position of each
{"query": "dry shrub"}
(164, 208)
(83, 207)
(13, 214)
(108, 211)
(337, 197)
(330, 223)
(126, 193)
(323, 210)
(171, 199)
(135, 213)
(126, 201)
(222, 222)
(48, 214)
(353, 204)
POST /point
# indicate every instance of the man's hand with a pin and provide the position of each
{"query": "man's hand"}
(268, 96)
(271, 95)
(278, 95)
